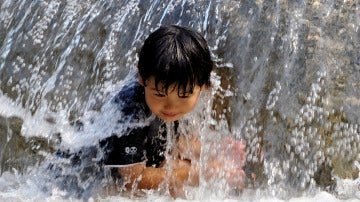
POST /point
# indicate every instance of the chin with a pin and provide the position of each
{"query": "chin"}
(169, 119)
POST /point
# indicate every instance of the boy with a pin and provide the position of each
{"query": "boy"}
(174, 68)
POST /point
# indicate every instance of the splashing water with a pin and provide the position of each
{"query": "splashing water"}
(286, 82)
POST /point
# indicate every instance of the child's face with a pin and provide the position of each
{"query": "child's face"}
(171, 106)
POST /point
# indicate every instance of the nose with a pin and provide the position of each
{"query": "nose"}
(171, 103)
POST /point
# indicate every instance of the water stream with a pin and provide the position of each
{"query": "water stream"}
(286, 81)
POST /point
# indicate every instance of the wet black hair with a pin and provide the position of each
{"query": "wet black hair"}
(175, 55)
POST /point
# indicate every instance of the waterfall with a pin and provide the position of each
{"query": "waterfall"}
(286, 82)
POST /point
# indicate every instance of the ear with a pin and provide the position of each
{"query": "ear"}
(141, 81)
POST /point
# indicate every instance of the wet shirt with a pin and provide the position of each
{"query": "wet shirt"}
(138, 144)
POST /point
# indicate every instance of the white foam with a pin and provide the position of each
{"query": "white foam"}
(34, 124)
(16, 187)
(8, 107)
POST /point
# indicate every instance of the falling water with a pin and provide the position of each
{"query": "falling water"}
(286, 82)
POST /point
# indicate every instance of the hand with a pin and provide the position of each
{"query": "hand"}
(235, 178)
(192, 169)
(228, 163)
(182, 172)
(232, 152)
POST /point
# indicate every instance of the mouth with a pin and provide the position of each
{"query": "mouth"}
(169, 114)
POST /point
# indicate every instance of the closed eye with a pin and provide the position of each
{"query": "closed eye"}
(185, 95)
(159, 95)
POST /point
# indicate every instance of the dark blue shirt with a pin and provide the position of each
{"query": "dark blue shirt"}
(137, 144)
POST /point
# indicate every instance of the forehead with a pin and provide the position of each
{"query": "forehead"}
(160, 86)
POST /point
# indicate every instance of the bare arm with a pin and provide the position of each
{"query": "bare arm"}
(227, 163)
(141, 177)
(183, 171)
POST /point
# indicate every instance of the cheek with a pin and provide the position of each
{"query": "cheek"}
(190, 104)
(152, 103)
